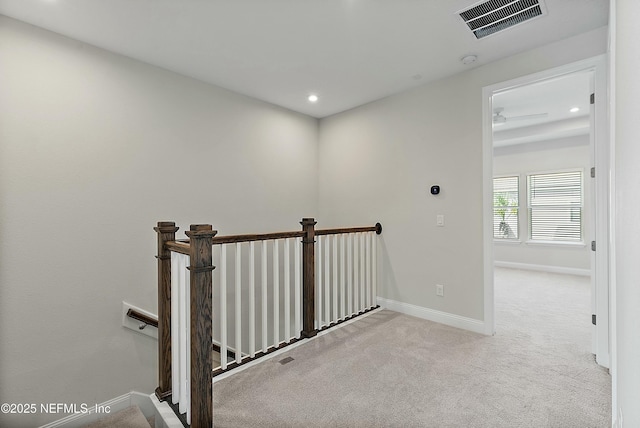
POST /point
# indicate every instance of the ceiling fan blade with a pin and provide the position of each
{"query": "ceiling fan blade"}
(527, 116)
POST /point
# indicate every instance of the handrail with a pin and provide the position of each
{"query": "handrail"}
(257, 237)
(178, 247)
(182, 245)
(146, 319)
(377, 229)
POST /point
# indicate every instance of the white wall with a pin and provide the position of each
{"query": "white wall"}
(378, 161)
(95, 148)
(625, 34)
(550, 155)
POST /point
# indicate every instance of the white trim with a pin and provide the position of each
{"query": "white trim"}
(598, 65)
(616, 415)
(115, 405)
(487, 207)
(565, 244)
(134, 325)
(603, 209)
(507, 241)
(544, 268)
(143, 401)
(165, 416)
(446, 318)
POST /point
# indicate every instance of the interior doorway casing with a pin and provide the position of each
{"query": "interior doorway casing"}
(600, 269)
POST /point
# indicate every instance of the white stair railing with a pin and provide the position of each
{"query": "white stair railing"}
(346, 276)
(256, 293)
(277, 278)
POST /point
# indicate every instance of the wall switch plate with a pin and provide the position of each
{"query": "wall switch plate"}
(440, 290)
(440, 220)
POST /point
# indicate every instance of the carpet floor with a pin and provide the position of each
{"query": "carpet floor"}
(393, 370)
(131, 417)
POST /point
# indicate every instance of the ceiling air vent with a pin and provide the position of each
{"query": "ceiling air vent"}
(492, 16)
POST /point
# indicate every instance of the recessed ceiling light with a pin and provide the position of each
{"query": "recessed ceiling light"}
(575, 109)
(313, 98)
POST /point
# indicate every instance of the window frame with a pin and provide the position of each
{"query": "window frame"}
(529, 217)
(517, 239)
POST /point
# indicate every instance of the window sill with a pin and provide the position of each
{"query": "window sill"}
(557, 244)
(507, 241)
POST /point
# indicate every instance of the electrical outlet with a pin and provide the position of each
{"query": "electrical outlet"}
(440, 290)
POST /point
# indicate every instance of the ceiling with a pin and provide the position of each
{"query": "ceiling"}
(348, 52)
(542, 110)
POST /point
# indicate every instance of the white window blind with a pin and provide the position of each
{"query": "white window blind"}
(555, 206)
(505, 207)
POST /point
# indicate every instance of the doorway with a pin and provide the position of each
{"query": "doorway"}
(542, 138)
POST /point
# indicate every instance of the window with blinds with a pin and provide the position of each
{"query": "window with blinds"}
(555, 206)
(505, 207)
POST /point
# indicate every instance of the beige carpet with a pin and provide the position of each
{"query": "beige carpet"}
(130, 417)
(393, 370)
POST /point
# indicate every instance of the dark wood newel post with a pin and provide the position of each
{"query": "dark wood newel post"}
(200, 272)
(308, 277)
(166, 231)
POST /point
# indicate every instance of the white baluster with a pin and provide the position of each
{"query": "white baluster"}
(343, 297)
(185, 354)
(265, 343)
(335, 278)
(176, 283)
(223, 307)
(367, 238)
(276, 294)
(327, 281)
(238, 303)
(252, 299)
(350, 274)
(356, 274)
(363, 302)
(297, 249)
(319, 282)
(374, 268)
(287, 290)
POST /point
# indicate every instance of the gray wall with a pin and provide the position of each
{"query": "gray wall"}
(96, 148)
(626, 297)
(378, 161)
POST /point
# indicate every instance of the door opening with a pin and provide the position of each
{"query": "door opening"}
(543, 208)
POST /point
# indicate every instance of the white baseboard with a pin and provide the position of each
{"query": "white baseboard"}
(446, 318)
(543, 268)
(114, 405)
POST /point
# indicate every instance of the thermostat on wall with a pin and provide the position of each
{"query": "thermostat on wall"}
(435, 190)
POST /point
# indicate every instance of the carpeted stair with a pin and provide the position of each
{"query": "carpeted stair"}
(131, 417)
